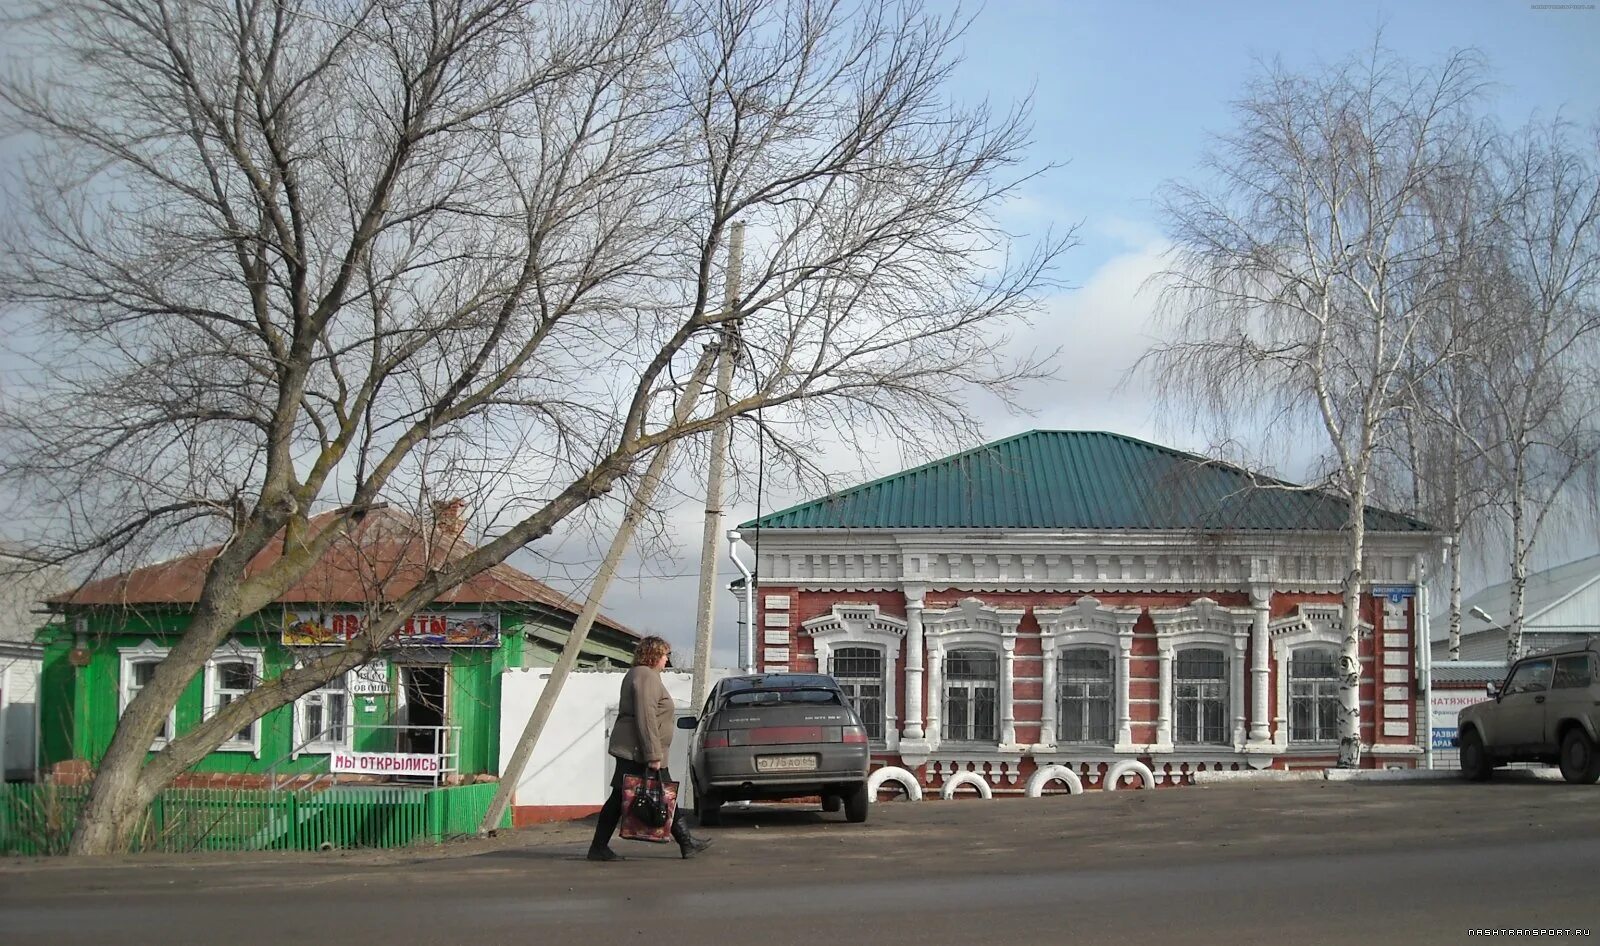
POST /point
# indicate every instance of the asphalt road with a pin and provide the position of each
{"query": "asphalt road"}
(1310, 863)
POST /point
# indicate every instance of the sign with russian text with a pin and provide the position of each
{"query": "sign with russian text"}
(383, 763)
(370, 679)
(1444, 710)
(439, 629)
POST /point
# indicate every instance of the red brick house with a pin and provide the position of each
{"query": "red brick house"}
(1079, 608)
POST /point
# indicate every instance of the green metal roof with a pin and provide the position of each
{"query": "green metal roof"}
(1074, 479)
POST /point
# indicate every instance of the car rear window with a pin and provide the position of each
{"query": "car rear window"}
(813, 695)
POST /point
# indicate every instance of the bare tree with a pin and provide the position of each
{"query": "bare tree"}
(280, 258)
(1534, 364)
(1303, 270)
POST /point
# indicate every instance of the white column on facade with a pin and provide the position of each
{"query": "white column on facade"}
(823, 652)
(1124, 667)
(914, 647)
(1236, 686)
(1164, 712)
(1008, 697)
(1047, 727)
(891, 720)
(935, 691)
(1260, 664)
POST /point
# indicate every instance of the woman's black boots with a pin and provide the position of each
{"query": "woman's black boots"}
(688, 844)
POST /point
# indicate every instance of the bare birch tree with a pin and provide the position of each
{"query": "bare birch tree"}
(1534, 364)
(276, 257)
(1303, 268)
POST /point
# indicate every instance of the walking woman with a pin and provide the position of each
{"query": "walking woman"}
(639, 742)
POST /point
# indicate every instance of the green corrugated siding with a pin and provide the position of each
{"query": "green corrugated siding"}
(1059, 479)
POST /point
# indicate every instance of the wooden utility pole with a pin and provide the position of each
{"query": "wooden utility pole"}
(591, 606)
(711, 542)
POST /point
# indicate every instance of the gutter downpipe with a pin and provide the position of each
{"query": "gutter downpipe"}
(747, 635)
(1425, 654)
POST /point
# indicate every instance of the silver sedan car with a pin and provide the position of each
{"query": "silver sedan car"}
(780, 735)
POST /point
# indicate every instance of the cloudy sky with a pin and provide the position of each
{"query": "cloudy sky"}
(1125, 95)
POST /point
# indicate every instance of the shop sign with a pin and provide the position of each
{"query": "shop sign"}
(370, 679)
(1444, 711)
(440, 629)
(383, 763)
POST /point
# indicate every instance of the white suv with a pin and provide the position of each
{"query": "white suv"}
(1545, 712)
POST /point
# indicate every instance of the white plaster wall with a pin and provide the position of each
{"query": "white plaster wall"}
(19, 685)
(570, 766)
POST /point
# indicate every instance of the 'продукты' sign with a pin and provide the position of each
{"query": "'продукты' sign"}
(384, 763)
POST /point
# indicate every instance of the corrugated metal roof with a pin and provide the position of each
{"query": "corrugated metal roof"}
(1543, 591)
(380, 558)
(1072, 479)
(1463, 672)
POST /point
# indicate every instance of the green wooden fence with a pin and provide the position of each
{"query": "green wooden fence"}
(37, 819)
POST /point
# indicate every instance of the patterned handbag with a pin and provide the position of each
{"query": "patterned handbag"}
(649, 803)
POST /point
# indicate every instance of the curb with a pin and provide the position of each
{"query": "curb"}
(1366, 775)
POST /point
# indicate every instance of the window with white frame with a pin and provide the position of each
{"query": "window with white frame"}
(137, 670)
(1314, 695)
(1200, 692)
(971, 696)
(229, 676)
(859, 671)
(1083, 685)
(322, 717)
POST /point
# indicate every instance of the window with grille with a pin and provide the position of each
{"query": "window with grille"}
(228, 679)
(971, 696)
(1200, 690)
(1314, 695)
(1084, 681)
(859, 671)
(325, 716)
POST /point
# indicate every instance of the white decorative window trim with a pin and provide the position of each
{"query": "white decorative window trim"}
(232, 653)
(1202, 621)
(972, 623)
(147, 652)
(1310, 624)
(848, 625)
(1087, 623)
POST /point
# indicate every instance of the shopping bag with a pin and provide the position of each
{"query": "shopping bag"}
(649, 803)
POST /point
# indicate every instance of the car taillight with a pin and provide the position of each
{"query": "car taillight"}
(716, 740)
(855, 735)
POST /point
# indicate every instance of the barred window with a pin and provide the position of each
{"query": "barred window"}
(1200, 690)
(859, 671)
(971, 696)
(1084, 695)
(1314, 695)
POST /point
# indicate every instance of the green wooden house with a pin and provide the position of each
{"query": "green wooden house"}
(428, 710)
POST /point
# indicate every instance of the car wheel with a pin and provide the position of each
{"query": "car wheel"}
(707, 808)
(830, 803)
(1475, 764)
(1579, 764)
(855, 804)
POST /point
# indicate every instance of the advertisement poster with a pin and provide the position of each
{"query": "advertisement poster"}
(1444, 709)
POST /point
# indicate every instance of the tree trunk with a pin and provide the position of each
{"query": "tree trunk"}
(1350, 656)
(1519, 578)
(1455, 593)
(119, 794)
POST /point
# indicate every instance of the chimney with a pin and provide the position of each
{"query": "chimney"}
(449, 520)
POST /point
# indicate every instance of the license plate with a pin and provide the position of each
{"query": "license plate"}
(786, 763)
